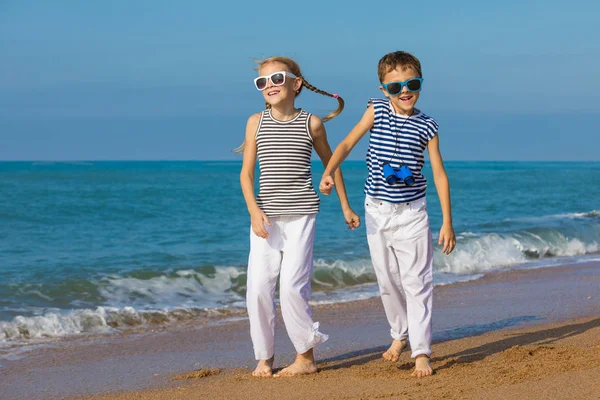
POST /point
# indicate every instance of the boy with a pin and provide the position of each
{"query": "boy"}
(397, 224)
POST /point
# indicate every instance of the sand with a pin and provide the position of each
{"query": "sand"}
(559, 361)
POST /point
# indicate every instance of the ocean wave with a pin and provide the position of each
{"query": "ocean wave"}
(475, 253)
(490, 251)
(581, 215)
(202, 287)
(102, 320)
(339, 274)
(217, 286)
(225, 286)
(120, 300)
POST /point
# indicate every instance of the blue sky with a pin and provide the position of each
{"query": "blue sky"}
(511, 80)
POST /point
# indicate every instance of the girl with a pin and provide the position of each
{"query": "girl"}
(283, 213)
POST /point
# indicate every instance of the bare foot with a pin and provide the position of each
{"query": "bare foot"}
(264, 368)
(393, 353)
(304, 364)
(422, 366)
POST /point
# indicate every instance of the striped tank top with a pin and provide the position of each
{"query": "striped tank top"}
(397, 139)
(284, 150)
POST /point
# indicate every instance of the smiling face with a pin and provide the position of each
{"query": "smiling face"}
(404, 102)
(277, 95)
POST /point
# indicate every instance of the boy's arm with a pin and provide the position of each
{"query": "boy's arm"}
(257, 216)
(442, 185)
(319, 135)
(345, 147)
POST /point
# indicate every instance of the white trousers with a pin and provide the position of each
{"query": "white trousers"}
(288, 251)
(402, 255)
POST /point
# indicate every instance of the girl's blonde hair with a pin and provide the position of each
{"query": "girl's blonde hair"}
(294, 68)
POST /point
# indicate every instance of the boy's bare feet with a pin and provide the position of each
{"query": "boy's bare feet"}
(422, 366)
(393, 353)
(304, 364)
(264, 368)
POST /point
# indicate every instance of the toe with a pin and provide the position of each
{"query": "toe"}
(262, 373)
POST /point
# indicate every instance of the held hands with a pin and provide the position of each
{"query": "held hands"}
(258, 220)
(448, 238)
(325, 187)
(352, 219)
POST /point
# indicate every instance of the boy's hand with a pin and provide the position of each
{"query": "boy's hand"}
(448, 238)
(352, 219)
(258, 220)
(326, 185)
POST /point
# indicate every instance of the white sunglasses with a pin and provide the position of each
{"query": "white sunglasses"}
(277, 79)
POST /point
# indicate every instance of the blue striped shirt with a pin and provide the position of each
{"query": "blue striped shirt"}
(397, 139)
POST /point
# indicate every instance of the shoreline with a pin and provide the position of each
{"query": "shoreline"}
(141, 321)
(550, 361)
(465, 311)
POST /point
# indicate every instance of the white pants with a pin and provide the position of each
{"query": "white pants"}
(401, 251)
(289, 250)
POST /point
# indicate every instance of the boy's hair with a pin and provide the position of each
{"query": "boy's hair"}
(391, 61)
(294, 68)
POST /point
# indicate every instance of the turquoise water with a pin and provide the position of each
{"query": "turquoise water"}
(94, 246)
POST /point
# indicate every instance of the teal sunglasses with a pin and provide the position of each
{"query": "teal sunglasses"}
(394, 88)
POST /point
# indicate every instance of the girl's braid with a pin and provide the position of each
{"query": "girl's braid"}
(324, 93)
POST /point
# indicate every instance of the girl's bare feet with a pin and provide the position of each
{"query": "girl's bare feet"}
(264, 368)
(393, 353)
(304, 364)
(422, 366)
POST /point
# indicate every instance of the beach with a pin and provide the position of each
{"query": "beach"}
(529, 333)
(557, 361)
(143, 145)
(118, 277)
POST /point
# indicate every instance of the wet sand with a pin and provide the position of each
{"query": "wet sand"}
(525, 334)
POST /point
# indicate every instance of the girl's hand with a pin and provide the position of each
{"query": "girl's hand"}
(326, 185)
(258, 220)
(352, 219)
(448, 238)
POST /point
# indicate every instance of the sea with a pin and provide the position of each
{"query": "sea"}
(104, 247)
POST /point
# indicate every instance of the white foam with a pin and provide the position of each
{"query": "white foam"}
(491, 251)
(54, 324)
(469, 234)
(481, 254)
(580, 215)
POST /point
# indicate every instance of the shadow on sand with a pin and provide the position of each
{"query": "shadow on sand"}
(547, 336)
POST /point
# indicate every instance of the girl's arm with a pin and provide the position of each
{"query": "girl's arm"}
(257, 216)
(442, 185)
(344, 149)
(321, 145)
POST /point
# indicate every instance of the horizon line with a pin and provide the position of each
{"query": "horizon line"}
(239, 160)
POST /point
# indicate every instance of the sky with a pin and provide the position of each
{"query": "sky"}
(151, 80)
